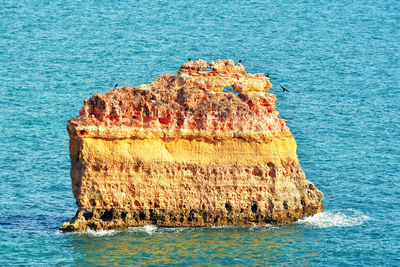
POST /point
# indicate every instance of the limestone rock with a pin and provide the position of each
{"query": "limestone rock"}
(182, 151)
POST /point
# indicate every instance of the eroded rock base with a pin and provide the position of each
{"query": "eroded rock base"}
(120, 219)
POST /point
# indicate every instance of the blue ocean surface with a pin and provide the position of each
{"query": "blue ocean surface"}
(339, 60)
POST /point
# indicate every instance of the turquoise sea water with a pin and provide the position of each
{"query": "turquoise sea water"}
(340, 62)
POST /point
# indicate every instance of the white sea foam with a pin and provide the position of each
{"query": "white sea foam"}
(336, 218)
(149, 229)
(220, 226)
(98, 233)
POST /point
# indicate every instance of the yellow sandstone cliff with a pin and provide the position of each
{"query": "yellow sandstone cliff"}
(182, 151)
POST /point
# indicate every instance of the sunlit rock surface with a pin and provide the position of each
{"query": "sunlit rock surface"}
(183, 151)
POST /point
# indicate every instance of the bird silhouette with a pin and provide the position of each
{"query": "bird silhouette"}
(284, 89)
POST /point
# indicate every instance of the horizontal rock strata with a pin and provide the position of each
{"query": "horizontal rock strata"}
(186, 151)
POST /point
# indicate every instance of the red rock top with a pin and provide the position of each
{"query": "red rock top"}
(192, 99)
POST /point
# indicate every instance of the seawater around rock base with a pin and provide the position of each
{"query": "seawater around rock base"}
(339, 61)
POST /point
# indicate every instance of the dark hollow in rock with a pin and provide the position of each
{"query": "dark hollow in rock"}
(107, 215)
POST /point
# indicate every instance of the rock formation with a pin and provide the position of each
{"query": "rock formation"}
(183, 151)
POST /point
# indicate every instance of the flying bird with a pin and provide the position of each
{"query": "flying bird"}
(284, 89)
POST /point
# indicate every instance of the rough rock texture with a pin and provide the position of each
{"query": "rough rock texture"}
(182, 151)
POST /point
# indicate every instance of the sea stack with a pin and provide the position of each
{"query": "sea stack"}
(186, 150)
